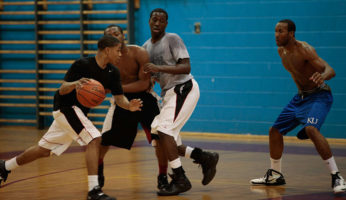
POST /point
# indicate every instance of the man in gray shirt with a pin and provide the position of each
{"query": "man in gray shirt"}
(171, 67)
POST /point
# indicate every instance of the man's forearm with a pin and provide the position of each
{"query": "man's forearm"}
(66, 88)
(122, 101)
(175, 69)
(137, 86)
(328, 72)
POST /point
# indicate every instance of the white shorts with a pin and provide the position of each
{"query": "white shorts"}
(66, 127)
(177, 107)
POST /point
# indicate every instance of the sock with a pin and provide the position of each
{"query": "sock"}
(196, 154)
(11, 164)
(163, 169)
(332, 165)
(92, 181)
(188, 152)
(275, 164)
(175, 163)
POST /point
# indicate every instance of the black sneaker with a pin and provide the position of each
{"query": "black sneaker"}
(101, 177)
(3, 172)
(338, 183)
(162, 181)
(179, 184)
(208, 162)
(97, 194)
(272, 177)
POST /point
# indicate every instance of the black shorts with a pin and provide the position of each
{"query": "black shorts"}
(125, 123)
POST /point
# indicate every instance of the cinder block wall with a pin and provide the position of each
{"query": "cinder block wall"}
(234, 58)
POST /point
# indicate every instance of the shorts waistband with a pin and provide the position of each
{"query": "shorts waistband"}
(323, 87)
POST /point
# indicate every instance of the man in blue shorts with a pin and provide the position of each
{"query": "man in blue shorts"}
(308, 108)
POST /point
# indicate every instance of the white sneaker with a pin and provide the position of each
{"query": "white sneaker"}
(272, 177)
(338, 183)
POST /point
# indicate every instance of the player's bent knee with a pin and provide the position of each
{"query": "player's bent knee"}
(95, 141)
(43, 152)
(273, 131)
(311, 131)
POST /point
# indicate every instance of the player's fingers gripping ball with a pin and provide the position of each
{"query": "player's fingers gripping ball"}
(91, 93)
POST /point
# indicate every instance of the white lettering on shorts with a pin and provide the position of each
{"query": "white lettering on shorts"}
(312, 120)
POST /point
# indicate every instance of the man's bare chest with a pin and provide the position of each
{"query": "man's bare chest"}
(129, 68)
(293, 63)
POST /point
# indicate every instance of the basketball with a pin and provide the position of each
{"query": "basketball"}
(91, 94)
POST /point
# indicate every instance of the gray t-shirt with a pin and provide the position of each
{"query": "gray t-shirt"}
(168, 51)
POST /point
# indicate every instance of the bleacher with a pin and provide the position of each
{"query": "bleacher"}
(39, 41)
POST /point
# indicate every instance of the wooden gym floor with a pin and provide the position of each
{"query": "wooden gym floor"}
(131, 175)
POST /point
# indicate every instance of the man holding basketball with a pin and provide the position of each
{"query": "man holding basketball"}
(309, 107)
(70, 117)
(171, 66)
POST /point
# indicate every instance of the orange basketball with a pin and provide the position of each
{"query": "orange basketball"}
(91, 94)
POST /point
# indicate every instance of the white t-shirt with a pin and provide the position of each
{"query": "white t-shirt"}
(167, 51)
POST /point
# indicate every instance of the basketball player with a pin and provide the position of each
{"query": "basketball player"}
(120, 125)
(180, 93)
(309, 107)
(70, 121)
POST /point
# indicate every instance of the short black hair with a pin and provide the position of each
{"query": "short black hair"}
(290, 25)
(159, 10)
(107, 41)
(113, 25)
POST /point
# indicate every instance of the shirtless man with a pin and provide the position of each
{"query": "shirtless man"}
(308, 108)
(120, 125)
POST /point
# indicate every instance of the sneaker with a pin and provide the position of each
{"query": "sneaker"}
(162, 181)
(3, 172)
(272, 177)
(97, 194)
(179, 184)
(208, 162)
(338, 183)
(101, 177)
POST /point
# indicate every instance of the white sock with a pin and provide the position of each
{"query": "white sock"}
(188, 152)
(275, 164)
(175, 163)
(11, 164)
(93, 181)
(332, 165)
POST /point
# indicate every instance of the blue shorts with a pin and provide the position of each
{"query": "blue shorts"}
(311, 110)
